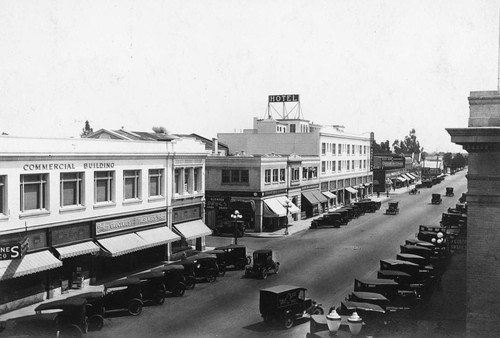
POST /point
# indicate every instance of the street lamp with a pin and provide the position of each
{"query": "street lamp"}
(288, 205)
(236, 218)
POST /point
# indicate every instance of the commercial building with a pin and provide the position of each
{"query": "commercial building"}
(77, 211)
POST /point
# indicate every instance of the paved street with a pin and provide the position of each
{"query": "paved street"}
(324, 260)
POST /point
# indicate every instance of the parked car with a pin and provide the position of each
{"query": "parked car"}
(368, 205)
(371, 314)
(346, 215)
(189, 272)
(235, 256)
(230, 227)
(436, 199)
(263, 264)
(173, 278)
(286, 304)
(414, 191)
(221, 259)
(393, 208)
(449, 192)
(123, 294)
(450, 220)
(369, 297)
(71, 316)
(333, 219)
(205, 266)
(94, 308)
(152, 286)
(400, 297)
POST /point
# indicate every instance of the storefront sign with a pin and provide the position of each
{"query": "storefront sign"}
(458, 244)
(14, 250)
(184, 214)
(221, 203)
(388, 162)
(130, 222)
(284, 98)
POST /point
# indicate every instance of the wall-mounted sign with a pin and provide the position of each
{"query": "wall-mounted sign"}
(130, 222)
(14, 250)
(388, 162)
(67, 166)
(284, 98)
(216, 202)
(372, 143)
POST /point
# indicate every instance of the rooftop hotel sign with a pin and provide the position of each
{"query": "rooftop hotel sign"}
(130, 222)
(284, 98)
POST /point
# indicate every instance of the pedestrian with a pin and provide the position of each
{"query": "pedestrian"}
(378, 194)
(387, 193)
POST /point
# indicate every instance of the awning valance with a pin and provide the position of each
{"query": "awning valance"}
(319, 196)
(79, 249)
(293, 209)
(310, 198)
(158, 236)
(273, 208)
(329, 195)
(351, 190)
(193, 229)
(122, 244)
(28, 264)
(401, 179)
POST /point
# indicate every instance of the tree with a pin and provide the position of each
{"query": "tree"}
(86, 130)
(447, 160)
(409, 145)
(382, 148)
(458, 161)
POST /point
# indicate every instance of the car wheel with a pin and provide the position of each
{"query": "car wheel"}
(190, 283)
(249, 260)
(222, 271)
(240, 265)
(318, 311)
(288, 322)
(135, 307)
(211, 276)
(159, 298)
(72, 330)
(180, 289)
(263, 274)
(96, 323)
(277, 268)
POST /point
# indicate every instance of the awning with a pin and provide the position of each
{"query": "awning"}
(408, 177)
(30, 263)
(309, 197)
(351, 190)
(402, 179)
(193, 229)
(293, 209)
(329, 195)
(273, 208)
(158, 236)
(122, 244)
(319, 196)
(79, 249)
(412, 175)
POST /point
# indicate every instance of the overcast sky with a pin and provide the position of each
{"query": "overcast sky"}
(208, 66)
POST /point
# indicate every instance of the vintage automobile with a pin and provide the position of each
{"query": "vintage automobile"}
(221, 259)
(419, 275)
(235, 256)
(231, 228)
(353, 212)
(358, 211)
(461, 207)
(205, 267)
(370, 313)
(449, 192)
(389, 288)
(152, 286)
(436, 199)
(414, 191)
(417, 259)
(427, 183)
(393, 208)
(346, 215)
(369, 297)
(173, 278)
(263, 264)
(450, 220)
(463, 198)
(333, 219)
(426, 252)
(71, 315)
(286, 304)
(368, 205)
(123, 294)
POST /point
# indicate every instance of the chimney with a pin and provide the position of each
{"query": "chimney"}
(243, 152)
(215, 146)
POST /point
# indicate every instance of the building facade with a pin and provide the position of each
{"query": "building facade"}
(87, 210)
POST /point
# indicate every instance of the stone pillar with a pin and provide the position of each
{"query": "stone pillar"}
(482, 141)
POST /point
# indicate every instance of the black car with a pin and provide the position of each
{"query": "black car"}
(205, 266)
(231, 228)
(173, 278)
(123, 294)
(393, 208)
(436, 199)
(235, 256)
(152, 286)
(263, 264)
(286, 304)
(333, 219)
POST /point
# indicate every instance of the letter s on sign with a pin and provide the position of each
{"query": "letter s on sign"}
(15, 251)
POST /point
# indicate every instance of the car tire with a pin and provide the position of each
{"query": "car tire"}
(180, 289)
(263, 274)
(96, 322)
(158, 298)
(135, 307)
(318, 311)
(190, 283)
(249, 260)
(240, 264)
(277, 268)
(288, 322)
(222, 271)
(211, 276)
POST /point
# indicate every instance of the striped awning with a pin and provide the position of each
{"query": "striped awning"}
(293, 209)
(351, 190)
(28, 264)
(402, 179)
(79, 249)
(273, 208)
(319, 196)
(310, 198)
(329, 195)
(122, 244)
(193, 229)
(158, 236)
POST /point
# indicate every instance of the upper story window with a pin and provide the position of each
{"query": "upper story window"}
(234, 176)
(187, 181)
(155, 182)
(275, 175)
(348, 150)
(295, 174)
(267, 176)
(292, 128)
(340, 165)
(323, 148)
(352, 164)
(3, 194)
(323, 167)
(178, 188)
(348, 165)
(304, 173)
(72, 189)
(364, 150)
(34, 192)
(197, 179)
(282, 175)
(333, 166)
(334, 146)
(131, 184)
(340, 149)
(104, 186)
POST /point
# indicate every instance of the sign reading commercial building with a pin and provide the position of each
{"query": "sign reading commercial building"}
(284, 98)
(14, 250)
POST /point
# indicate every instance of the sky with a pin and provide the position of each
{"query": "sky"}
(207, 67)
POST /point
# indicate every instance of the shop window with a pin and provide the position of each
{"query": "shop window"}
(34, 193)
(267, 176)
(104, 186)
(72, 189)
(3, 195)
(282, 175)
(131, 184)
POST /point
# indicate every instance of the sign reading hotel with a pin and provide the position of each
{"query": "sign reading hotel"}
(14, 250)
(284, 98)
(130, 222)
